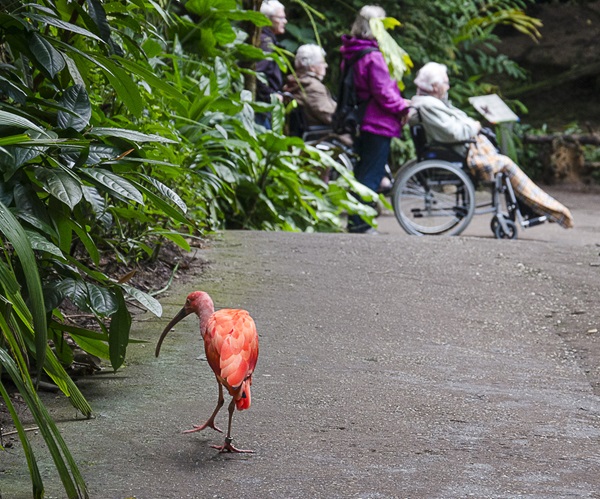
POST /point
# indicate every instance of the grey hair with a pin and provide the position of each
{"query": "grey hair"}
(361, 27)
(430, 73)
(308, 55)
(270, 7)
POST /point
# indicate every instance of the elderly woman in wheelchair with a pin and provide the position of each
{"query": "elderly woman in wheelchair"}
(435, 193)
(311, 119)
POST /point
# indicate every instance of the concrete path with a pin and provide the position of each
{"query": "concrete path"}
(390, 367)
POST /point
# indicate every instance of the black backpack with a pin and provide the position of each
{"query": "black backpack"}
(349, 111)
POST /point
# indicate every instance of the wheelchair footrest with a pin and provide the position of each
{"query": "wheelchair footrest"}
(531, 222)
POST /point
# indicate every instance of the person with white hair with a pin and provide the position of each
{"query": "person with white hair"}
(307, 86)
(444, 123)
(275, 11)
(385, 109)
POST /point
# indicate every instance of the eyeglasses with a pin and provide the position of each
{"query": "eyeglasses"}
(281, 18)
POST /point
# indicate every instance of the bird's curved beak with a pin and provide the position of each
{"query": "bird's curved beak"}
(180, 315)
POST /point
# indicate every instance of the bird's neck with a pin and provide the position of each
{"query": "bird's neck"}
(204, 308)
(204, 315)
(203, 322)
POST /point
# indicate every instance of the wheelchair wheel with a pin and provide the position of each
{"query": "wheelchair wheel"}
(433, 197)
(499, 232)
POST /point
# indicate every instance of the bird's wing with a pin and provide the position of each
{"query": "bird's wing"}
(232, 345)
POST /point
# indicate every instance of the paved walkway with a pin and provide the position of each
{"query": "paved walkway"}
(390, 367)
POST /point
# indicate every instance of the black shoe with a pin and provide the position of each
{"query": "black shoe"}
(364, 230)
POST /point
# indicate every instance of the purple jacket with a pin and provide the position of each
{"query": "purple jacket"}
(373, 82)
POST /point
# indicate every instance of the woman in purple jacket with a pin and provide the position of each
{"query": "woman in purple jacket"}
(386, 109)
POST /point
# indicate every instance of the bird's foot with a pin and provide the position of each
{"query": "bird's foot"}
(208, 424)
(227, 447)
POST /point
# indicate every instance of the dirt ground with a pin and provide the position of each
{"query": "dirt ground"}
(434, 367)
(584, 202)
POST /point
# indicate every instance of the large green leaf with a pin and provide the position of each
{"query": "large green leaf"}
(204, 7)
(98, 15)
(125, 87)
(279, 143)
(78, 109)
(175, 237)
(53, 21)
(14, 139)
(14, 232)
(397, 59)
(34, 472)
(86, 240)
(40, 243)
(93, 347)
(50, 58)
(118, 185)
(130, 135)
(93, 342)
(222, 30)
(250, 53)
(99, 205)
(92, 274)
(102, 300)
(76, 291)
(89, 296)
(61, 185)
(70, 476)
(120, 325)
(13, 158)
(167, 192)
(10, 119)
(151, 79)
(12, 90)
(150, 303)
(163, 205)
(248, 15)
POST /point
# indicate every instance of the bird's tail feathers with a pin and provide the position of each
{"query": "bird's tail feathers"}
(242, 399)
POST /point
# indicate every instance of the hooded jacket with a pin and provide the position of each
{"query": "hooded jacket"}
(372, 82)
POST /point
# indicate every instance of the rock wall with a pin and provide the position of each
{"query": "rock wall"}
(566, 61)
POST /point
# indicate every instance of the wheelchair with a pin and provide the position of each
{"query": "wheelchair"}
(435, 194)
(321, 137)
(325, 139)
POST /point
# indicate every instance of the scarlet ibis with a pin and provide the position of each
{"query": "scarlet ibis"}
(231, 346)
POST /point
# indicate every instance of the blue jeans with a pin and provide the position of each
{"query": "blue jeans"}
(373, 151)
(263, 119)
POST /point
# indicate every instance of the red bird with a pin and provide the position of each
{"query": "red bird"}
(231, 346)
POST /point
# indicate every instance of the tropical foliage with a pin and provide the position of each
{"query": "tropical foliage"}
(124, 125)
(456, 33)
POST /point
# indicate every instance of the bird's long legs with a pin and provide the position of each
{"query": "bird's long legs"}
(227, 447)
(211, 421)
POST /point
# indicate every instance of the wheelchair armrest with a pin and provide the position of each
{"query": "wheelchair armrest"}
(442, 151)
(319, 128)
(434, 149)
(316, 132)
(457, 143)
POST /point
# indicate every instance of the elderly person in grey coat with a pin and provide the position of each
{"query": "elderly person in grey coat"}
(446, 123)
